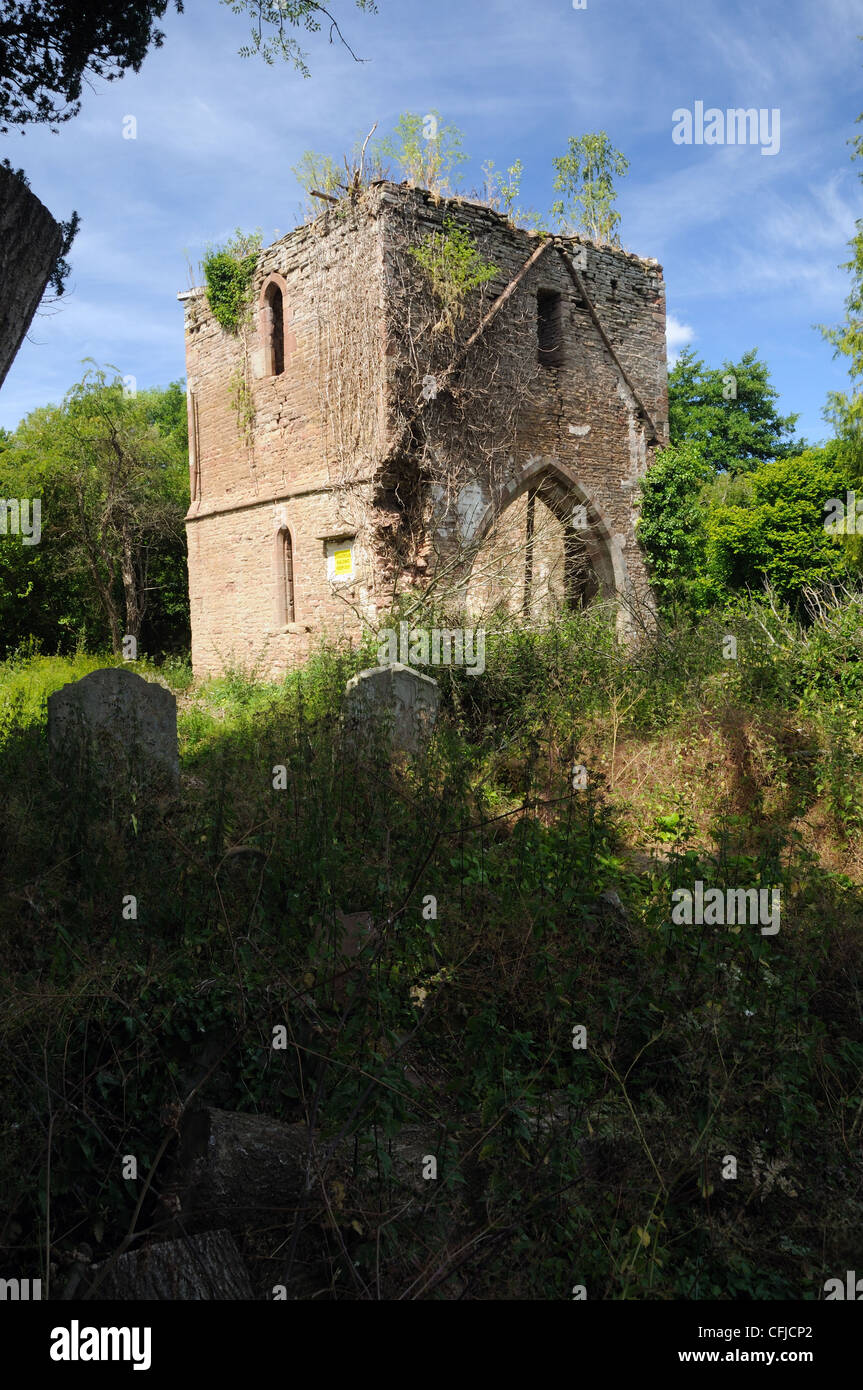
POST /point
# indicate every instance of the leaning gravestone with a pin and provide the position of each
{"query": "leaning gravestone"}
(401, 701)
(115, 727)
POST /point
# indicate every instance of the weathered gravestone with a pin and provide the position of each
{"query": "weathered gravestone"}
(117, 728)
(396, 699)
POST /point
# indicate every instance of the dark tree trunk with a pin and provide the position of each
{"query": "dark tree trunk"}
(232, 1168)
(192, 1268)
(131, 591)
(30, 242)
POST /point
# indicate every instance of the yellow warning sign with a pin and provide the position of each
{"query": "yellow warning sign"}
(342, 562)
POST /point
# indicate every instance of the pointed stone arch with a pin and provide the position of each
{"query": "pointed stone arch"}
(591, 553)
(284, 589)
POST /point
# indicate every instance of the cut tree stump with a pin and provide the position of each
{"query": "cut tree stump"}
(232, 1167)
(192, 1268)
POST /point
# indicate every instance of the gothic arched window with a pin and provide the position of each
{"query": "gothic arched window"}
(274, 303)
(285, 606)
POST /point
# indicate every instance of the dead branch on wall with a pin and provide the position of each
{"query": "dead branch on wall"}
(421, 428)
(460, 445)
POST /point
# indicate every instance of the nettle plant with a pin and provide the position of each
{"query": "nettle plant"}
(454, 267)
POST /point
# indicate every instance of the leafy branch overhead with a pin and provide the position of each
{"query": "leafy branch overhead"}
(270, 37)
(50, 48)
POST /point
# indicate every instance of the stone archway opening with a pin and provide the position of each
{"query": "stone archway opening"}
(546, 553)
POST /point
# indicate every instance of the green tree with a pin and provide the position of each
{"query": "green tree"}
(428, 152)
(111, 474)
(730, 411)
(672, 524)
(777, 536)
(707, 536)
(585, 176)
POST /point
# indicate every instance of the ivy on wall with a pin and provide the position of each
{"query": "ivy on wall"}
(229, 271)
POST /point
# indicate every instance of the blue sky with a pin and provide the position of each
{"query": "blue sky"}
(750, 243)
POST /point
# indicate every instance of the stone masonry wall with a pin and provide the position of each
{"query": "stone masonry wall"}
(343, 443)
(579, 419)
(292, 470)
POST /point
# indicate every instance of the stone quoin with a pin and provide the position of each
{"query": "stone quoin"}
(316, 501)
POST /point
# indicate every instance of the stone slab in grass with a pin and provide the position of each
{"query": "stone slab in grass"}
(401, 702)
(113, 726)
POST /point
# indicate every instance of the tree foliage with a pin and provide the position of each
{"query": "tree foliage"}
(49, 48)
(776, 535)
(707, 537)
(428, 151)
(110, 471)
(730, 411)
(270, 36)
(671, 522)
(585, 176)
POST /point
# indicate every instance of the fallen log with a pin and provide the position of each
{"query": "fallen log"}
(232, 1167)
(191, 1268)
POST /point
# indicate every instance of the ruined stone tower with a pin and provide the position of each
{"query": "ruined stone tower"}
(373, 428)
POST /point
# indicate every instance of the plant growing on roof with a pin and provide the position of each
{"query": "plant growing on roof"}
(454, 267)
(428, 152)
(584, 175)
(229, 272)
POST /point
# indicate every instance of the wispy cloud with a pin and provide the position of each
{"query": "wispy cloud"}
(678, 336)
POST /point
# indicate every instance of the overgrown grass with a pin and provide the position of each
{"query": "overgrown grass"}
(511, 909)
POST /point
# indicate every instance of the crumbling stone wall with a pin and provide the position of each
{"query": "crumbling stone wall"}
(511, 422)
(305, 463)
(348, 451)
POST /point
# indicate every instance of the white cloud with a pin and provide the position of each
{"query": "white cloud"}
(677, 335)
